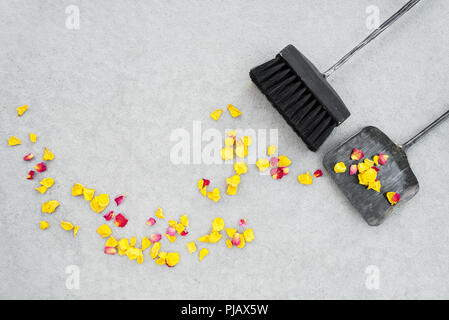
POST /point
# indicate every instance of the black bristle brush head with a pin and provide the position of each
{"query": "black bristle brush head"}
(302, 95)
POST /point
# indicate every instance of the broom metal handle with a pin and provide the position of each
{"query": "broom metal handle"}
(410, 142)
(372, 36)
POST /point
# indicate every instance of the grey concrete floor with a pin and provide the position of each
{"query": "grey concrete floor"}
(106, 97)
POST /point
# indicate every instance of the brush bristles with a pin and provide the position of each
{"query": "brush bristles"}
(294, 101)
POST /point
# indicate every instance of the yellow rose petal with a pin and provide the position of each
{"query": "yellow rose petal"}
(218, 224)
(132, 241)
(77, 189)
(240, 167)
(284, 161)
(230, 232)
(111, 242)
(231, 190)
(191, 247)
(146, 243)
(170, 238)
(33, 137)
(160, 213)
(47, 182)
(214, 237)
(203, 252)
(41, 189)
(234, 111)
(104, 231)
(247, 141)
(248, 234)
(155, 250)
(172, 259)
(123, 246)
(216, 114)
(184, 221)
(227, 153)
(14, 141)
(50, 206)
(66, 225)
(340, 167)
(305, 178)
(48, 155)
(88, 194)
(44, 225)
(75, 230)
(229, 243)
(21, 110)
(263, 164)
(214, 195)
(271, 150)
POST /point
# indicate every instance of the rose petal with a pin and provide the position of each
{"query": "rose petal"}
(99, 203)
(203, 252)
(184, 221)
(214, 237)
(155, 237)
(353, 169)
(227, 153)
(48, 182)
(28, 157)
(247, 141)
(241, 150)
(48, 155)
(240, 167)
(66, 225)
(171, 238)
(184, 233)
(230, 232)
(374, 185)
(50, 206)
(30, 175)
(274, 161)
(132, 241)
(151, 221)
(234, 111)
(21, 110)
(104, 231)
(236, 239)
(233, 181)
(123, 246)
(77, 189)
(171, 231)
(229, 243)
(146, 243)
(357, 154)
(110, 250)
(340, 167)
(108, 216)
(191, 247)
(33, 137)
(305, 179)
(263, 164)
(40, 167)
(119, 199)
(279, 173)
(383, 159)
(214, 195)
(242, 223)
(284, 161)
(363, 166)
(218, 224)
(14, 141)
(44, 225)
(216, 114)
(75, 230)
(271, 150)
(41, 189)
(172, 259)
(159, 213)
(88, 194)
(120, 220)
(248, 234)
(393, 197)
(111, 242)
(318, 173)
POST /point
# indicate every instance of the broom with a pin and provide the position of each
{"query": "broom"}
(301, 93)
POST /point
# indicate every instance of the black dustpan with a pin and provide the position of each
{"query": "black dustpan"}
(395, 176)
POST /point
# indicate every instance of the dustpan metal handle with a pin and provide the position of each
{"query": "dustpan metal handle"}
(372, 36)
(412, 141)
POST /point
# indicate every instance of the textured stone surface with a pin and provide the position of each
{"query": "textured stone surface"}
(105, 99)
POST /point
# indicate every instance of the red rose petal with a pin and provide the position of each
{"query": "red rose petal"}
(151, 221)
(28, 157)
(108, 216)
(119, 199)
(120, 220)
(155, 237)
(40, 167)
(357, 154)
(318, 173)
(184, 233)
(30, 175)
(110, 250)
